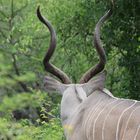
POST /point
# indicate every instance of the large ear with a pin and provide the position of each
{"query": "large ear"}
(96, 83)
(52, 85)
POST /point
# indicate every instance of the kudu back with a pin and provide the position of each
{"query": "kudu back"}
(88, 110)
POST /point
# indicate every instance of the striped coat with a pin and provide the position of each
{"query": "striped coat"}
(104, 117)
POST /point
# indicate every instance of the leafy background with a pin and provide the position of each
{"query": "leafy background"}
(26, 110)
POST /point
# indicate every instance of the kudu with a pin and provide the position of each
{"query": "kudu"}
(88, 110)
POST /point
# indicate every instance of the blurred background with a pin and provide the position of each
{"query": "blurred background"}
(26, 110)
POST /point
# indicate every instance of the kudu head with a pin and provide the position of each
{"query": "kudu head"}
(74, 94)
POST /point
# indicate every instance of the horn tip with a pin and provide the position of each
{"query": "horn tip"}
(38, 7)
(38, 10)
(39, 13)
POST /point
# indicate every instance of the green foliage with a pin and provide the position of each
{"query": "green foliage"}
(26, 111)
(20, 101)
(22, 130)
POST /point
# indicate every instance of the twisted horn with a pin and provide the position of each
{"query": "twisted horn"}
(100, 50)
(48, 66)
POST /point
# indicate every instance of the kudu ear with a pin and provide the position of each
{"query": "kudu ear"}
(52, 85)
(96, 83)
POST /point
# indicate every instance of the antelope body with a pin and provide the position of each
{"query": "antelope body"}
(88, 110)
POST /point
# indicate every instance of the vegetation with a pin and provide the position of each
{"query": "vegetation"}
(26, 110)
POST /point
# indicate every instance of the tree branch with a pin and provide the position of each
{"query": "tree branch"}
(24, 87)
(2, 13)
(19, 10)
(3, 34)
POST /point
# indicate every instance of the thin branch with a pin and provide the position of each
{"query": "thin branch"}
(3, 34)
(12, 9)
(121, 51)
(2, 13)
(24, 87)
(19, 10)
(15, 65)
